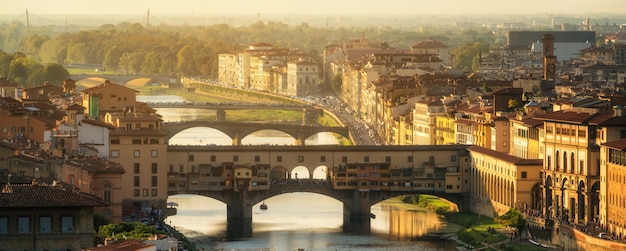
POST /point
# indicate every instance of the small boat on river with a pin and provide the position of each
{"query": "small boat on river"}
(263, 206)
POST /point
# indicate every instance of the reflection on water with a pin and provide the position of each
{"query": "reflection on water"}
(306, 220)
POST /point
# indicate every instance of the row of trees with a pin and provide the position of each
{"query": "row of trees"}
(130, 48)
(27, 72)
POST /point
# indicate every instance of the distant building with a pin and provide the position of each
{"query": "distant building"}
(567, 44)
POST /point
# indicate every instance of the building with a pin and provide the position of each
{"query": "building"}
(613, 187)
(139, 143)
(425, 115)
(567, 44)
(98, 177)
(571, 174)
(501, 182)
(39, 216)
(303, 78)
(107, 97)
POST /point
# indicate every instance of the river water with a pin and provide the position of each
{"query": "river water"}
(293, 221)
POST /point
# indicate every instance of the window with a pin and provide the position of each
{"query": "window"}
(155, 167)
(136, 192)
(524, 175)
(409, 159)
(154, 193)
(257, 158)
(136, 168)
(23, 225)
(154, 181)
(387, 159)
(154, 153)
(366, 159)
(213, 158)
(154, 141)
(430, 159)
(115, 141)
(4, 225)
(136, 141)
(107, 196)
(300, 158)
(322, 158)
(136, 153)
(67, 224)
(279, 158)
(136, 181)
(235, 158)
(344, 159)
(45, 224)
(191, 158)
(453, 158)
(145, 193)
(115, 153)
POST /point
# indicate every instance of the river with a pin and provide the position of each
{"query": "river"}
(297, 220)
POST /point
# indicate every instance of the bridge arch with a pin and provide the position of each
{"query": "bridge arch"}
(238, 131)
(163, 80)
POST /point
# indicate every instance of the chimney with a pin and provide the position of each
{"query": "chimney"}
(618, 111)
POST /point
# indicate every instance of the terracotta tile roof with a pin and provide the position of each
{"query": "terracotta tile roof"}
(75, 107)
(429, 43)
(566, 116)
(608, 119)
(505, 157)
(617, 144)
(532, 122)
(105, 85)
(29, 195)
(97, 123)
(96, 165)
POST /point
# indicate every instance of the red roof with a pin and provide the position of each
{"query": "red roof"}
(29, 195)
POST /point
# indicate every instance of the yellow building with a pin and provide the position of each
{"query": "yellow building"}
(613, 187)
(425, 121)
(501, 182)
(571, 166)
(107, 97)
(140, 145)
(445, 133)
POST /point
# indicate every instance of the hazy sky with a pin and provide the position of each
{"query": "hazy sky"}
(310, 7)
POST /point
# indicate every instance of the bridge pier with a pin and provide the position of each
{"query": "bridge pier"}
(358, 209)
(239, 215)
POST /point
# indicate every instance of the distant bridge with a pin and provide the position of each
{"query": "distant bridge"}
(238, 131)
(163, 80)
(227, 106)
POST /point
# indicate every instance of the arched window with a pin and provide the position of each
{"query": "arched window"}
(572, 162)
(565, 162)
(107, 192)
(556, 159)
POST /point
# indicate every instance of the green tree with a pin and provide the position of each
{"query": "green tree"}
(185, 58)
(466, 54)
(53, 51)
(513, 103)
(55, 74)
(112, 58)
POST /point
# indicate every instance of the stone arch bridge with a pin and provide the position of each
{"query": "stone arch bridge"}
(357, 176)
(163, 80)
(238, 131)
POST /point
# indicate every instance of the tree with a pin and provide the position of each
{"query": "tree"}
(112, 58)
(55, 74)
(513, 103)
(185, 58)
